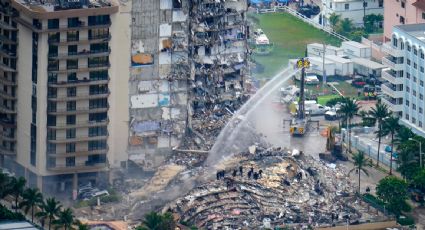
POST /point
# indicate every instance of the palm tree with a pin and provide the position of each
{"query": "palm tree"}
(81, 226)
(65, 219)
(17, 187)
(334, 19)
(50, 209)
(403, 135)
(391, 126)
(380, 112)
(349, 109)
(4, 184)
(345, 26)
(31, 198)
(360, 164)
(152, 221)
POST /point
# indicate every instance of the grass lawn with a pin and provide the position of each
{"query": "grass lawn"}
(324, 99)
(289, 36)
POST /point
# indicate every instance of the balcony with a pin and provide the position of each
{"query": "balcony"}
(7, 82)
(391, 91)
(7, 151)
(392, 106)
(87, 166)
(392, 64)
(7, 110)
(390, 50)
(81, 68)
(387, 75)
(38, 29)
(5, 26)
(62, 84)
(7, 137)
(66, 41)
(77, 111)
(82, 54)
(7, 68)
(79, 124)
(6, 40)
(6, 95)
(6, 53)
(78, 139)
(79, 153)
(79, 97)
(7, 123)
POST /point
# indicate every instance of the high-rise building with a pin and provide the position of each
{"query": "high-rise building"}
(188, 60)
(404, 89)
(64, 90)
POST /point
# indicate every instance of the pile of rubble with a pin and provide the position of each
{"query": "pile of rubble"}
(273, 188)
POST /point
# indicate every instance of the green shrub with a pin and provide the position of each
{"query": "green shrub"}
(406, 220)
(6, 214)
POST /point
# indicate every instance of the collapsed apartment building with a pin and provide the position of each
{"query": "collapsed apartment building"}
(269, 188)
(189, 65)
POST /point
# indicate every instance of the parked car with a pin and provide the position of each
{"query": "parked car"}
(358, 82)
(331, 115)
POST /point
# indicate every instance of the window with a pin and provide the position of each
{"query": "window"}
(422, 55)
(415, 65)
(422, 69)
(53, 65)
(98, 117)
(98, 61)
(72, 77)
(402, 46)
(407, 103)
(421, 96)
(53, 51)
(98, 131)
(51, 148)
(51, 120)
(409, 48)
(380, 3)
(421, 83)
(420, 110)
(347, 6)
(414, 106)
(401, 20)
(98, 20)
(98, 89)
(423, 15)
(52, 77)
(70, 120)
(407, 116)
(415, 51)
(70, 161)
(99, 47)
(71, 105)
(407, 89)
(414, 79)
(413, 120)
(70, 147)
(98, 33)
(96, 145)
(53, 23)
(408, 61)
(70, 133)
(364, 4)
(99, 75)
(96, 159)
(73, 22)
(72, 64)
(395, 42)
(51, 134)
(403, 3)
(177, 4)
(51, 106)
(414, 93)
(408, 75)
(72, 50)
(72, 35)
(420, 123)
(52, 92)
(98, 103)
(71, 91)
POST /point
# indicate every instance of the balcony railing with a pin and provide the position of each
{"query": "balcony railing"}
(82, 54)
(389, 76)
(90, 39)
(64, 125)
(79, 153)
(389, 49)
(76, 111)
(7, 109)
(392, 105)
(78, 139)
(6, 95)
(80, 167)
(7, 53)
(8, 123)
(77, 82)
(7, 151)
(391, 91)
(390, 62)
(61, 97)
(7, 68)
(82, 68)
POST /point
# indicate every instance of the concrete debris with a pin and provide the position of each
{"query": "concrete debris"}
(274, 189)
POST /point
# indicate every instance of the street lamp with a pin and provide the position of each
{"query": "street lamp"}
(420, 150)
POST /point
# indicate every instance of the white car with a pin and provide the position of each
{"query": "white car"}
(100, 193)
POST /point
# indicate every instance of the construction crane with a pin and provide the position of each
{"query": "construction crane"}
(299, 125)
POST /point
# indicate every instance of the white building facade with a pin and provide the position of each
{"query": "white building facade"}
(352, 9)
(404, 89)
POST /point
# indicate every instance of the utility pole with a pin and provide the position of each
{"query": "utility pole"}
(324, 69)
(364, 12)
